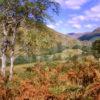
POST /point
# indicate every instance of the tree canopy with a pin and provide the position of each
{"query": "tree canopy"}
(13, 13)
(36, 10)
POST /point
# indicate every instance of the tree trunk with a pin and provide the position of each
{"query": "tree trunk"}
(12, 54)
(3, 58)
(12, 65)
(3, 50)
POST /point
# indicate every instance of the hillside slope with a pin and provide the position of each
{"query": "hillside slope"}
(47, 41)
(91, 36)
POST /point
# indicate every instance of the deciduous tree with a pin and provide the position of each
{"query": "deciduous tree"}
(12, 14)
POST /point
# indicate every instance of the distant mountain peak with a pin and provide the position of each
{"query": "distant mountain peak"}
(75, 35)
(95, 34)
(97, 30)
(71, 33)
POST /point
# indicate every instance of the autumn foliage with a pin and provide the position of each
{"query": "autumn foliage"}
(70, 80)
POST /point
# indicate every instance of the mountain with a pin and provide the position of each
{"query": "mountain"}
(97, 30)
(48, 41)
(95, 34)
(75, 35)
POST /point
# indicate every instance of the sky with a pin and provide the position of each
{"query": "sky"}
(76, 16)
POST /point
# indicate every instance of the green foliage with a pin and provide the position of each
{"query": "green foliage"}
(52, 64)
(25, 59)
(12, 85)
(37, 8)
(27, 74)
(65, 69)
(17, 13)
(86, 50)
(1, 1)
(76, 47)
(64, 89)
(59, 47)
(57, 89)
(96, 48)
(72, 89)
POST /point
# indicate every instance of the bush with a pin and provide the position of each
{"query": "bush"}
(25, 59)
(96, 48)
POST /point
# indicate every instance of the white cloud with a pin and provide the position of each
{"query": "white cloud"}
(56, 24)
(73, 20)
(51, 26)
(75, 4)
(75, 23)
(96, 8)
(88, 19)
(90, 26)
(93, 13)
(72, 4)
(77, 26)
(77, 19)
(81, 17)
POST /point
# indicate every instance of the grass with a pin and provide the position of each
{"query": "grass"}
(21, 67)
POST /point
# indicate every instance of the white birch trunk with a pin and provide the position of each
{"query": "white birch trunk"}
(3, 58)
(11, 66)
(4, 30)
(12, 54)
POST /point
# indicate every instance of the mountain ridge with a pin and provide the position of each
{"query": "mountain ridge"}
(95, 34)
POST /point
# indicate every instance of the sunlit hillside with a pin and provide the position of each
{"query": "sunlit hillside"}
(47, 41)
